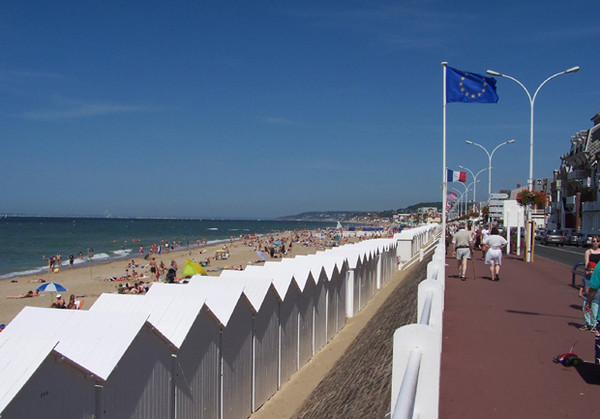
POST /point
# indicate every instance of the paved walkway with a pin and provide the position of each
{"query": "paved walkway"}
(499, 339)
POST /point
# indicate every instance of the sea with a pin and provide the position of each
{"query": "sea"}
(26, 241)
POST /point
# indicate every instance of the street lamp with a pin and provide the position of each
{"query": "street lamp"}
(490, 155)
(457, 205)
(531, 102)
(474, 179)
(466, 194)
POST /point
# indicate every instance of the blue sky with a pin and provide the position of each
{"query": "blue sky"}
(270, 108)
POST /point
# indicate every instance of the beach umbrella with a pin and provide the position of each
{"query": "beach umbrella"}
(51, 287)
(261, 255)
(192, 268)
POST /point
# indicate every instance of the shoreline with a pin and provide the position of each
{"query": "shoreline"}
(88, 282)
(98, 262)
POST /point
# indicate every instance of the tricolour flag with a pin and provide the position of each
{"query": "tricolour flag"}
(455, 176)
(462, 86)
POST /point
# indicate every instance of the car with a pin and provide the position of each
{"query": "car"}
(586, 239)
(555, 236)
(573, 239)
(539, 233)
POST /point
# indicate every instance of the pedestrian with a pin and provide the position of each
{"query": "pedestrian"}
(590, 317)
(493, 245)
(462, 241)
(71, 260)
(485, 232)
(593, 290)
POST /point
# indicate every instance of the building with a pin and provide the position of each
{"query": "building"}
(574, 188)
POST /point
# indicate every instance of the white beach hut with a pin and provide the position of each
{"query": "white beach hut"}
(232, 310)
(37, 383)
(194, 339)
(287, 295)
(306, 286)
(108, 348)
(264, 304)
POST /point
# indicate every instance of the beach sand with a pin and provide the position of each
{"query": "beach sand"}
(88, 283)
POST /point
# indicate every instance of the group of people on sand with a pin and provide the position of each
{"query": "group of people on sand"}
(55, 262)
(73, 304)
(488, 240)
(136, 288)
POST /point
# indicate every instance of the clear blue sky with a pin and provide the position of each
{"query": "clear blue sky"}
(270, 108)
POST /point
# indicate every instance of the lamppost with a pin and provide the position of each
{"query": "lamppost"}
(474, 180)
(466, 194)
(457, 205)
(490, 155)
(529, 244)
(532, 102)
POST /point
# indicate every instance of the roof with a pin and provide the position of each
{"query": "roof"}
(172, 316)
(95, 341)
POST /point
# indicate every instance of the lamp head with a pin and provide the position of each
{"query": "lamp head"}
(510, 141)
(494, 73)
(572, 69)
(468, 142)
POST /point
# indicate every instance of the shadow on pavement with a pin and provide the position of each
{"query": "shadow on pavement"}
(590, 372)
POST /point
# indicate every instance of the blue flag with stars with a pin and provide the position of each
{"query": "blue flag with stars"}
(462, 86)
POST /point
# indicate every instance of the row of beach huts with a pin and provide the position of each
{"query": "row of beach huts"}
(217, 347)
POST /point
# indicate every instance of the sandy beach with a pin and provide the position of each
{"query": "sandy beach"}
(88, 283)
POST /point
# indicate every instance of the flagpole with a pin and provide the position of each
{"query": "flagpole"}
(444, 183)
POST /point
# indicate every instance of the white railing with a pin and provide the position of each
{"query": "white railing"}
(418, 349)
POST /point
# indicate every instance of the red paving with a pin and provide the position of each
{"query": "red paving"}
(499, 339)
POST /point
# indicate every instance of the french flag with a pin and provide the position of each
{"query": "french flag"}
(455, 176)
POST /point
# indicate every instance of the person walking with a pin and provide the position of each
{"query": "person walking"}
(591, 258)
(493, 245)
(485, 233)
(462, 242)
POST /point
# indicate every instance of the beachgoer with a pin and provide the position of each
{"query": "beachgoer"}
(72, 305)
(28, 294)
(153, 270)
(58, 260)
(493, 245)
(59, 302)
(462, 241)
(71, 260)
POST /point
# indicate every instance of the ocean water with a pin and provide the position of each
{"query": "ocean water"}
(24, 240)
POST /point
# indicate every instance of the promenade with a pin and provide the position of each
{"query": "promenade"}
(499, 339)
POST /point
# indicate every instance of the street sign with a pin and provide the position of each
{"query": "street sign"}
(497, 209)
(501, 195)
(497, 202)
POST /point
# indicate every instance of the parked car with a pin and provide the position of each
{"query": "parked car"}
(586, 239)
(539, 233)
(574, 238)
(556, 237)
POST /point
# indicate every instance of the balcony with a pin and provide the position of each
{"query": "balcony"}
(578, 174)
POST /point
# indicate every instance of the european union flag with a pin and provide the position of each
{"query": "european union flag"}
(462, 86)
